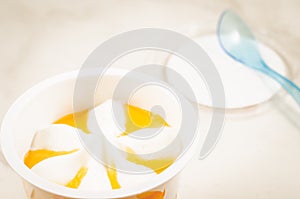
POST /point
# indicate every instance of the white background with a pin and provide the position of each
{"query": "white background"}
(258, 155)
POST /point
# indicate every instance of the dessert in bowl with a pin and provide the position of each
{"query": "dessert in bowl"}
(39, 140)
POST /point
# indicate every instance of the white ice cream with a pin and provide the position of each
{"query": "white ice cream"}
(63, 168)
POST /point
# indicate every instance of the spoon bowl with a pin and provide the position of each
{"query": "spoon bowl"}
(238, 41)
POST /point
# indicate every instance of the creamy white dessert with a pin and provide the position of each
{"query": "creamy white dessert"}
(58, 155)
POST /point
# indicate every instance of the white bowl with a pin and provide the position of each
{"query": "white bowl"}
(39, 107)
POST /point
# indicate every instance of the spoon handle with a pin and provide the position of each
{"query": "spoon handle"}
(287, 84)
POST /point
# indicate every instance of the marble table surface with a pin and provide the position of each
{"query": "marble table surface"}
(258, 155)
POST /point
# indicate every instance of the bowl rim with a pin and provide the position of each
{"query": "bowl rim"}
(16, 163)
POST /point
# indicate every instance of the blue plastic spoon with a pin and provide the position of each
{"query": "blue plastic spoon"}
(238, 41)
